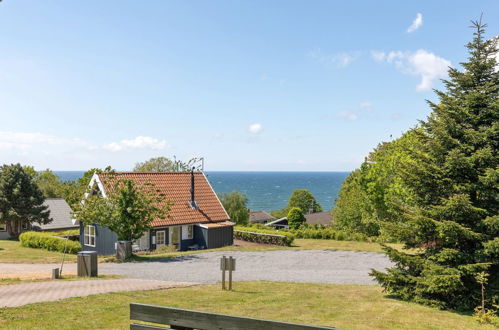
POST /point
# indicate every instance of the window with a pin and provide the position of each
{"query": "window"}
(89, 235)
(3, 227)
(189, 232)
(160, 237)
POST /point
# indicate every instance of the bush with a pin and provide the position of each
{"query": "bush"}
(331, 233)
(296, 218)
(257, 235)
(47, 241)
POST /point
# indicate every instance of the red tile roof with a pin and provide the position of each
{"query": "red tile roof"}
(176, 188)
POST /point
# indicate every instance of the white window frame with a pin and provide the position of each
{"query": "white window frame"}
(163, 233)
(88, 237)
(190, 232)
(3, 227)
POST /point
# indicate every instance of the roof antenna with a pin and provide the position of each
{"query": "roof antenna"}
(192, 202)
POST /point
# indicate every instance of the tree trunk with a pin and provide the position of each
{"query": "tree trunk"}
(13, 228)
(124, 250)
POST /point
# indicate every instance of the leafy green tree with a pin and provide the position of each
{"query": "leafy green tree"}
(128, 211)
(376, 194)
(454, 176)
(352, 210)
(235, 203)
(21, 201)
(295, 218)
(163, 164)
(49, 184)
(304, 199)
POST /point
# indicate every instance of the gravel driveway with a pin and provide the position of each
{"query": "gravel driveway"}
(341, 267)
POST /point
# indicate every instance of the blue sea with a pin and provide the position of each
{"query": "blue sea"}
(266, 190)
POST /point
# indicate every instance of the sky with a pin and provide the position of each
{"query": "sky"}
(248, 85)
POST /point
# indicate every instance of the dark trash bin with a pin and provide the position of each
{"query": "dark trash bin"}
(87, 263)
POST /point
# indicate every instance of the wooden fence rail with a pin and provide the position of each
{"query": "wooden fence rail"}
(178, 318)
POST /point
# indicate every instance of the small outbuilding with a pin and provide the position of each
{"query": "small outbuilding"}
(261, 217)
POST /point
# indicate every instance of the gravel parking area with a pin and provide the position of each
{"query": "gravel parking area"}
(341, 267)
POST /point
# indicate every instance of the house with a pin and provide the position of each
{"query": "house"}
(196, 218)
(319, 218)
(260, 217)
(281, 223)
(60, 213)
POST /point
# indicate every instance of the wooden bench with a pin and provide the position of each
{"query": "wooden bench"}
(178, 318)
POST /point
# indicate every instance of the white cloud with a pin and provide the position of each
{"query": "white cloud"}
(416, 24)
(140, 142)
(348, 114)
(339, 60)
(26, 141)
(366, 105)
(378, 56)
(428, 66)
(255, 128)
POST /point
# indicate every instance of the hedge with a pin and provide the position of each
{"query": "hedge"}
(256, 235)
(47, 241)
(330, 233)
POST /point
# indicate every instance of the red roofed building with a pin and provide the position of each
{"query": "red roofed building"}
(196, 218)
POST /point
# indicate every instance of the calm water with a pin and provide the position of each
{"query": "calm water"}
(267, 190)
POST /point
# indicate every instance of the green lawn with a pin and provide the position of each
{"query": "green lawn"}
(13, 252)
(344, 306)
(16, 280)
(298, 244)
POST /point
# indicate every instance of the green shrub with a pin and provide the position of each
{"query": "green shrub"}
(330, 233)
(47, 241)
(264, 236)
(71, 232)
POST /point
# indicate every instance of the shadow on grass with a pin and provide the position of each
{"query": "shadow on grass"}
(459, 312)
(159, 258)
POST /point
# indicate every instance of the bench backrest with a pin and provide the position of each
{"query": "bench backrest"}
(187, 319)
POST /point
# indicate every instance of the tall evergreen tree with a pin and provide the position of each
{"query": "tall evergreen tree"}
(454, 175)
(21, 201)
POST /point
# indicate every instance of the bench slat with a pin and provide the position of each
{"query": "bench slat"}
(208, 321)
(137, 326)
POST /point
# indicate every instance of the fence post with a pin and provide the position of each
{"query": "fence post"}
(230, 273)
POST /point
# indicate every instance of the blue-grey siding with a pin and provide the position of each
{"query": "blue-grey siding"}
(104, 240)
(153, 233)
(201, 237)
(220, 236)
(205, 238)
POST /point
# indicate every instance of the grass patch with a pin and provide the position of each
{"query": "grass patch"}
(16, 280)
(344, 306)
(298, 244)
(13, 252)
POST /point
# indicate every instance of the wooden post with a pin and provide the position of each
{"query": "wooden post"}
(231, 261)
(55, 273)
(223, 267)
